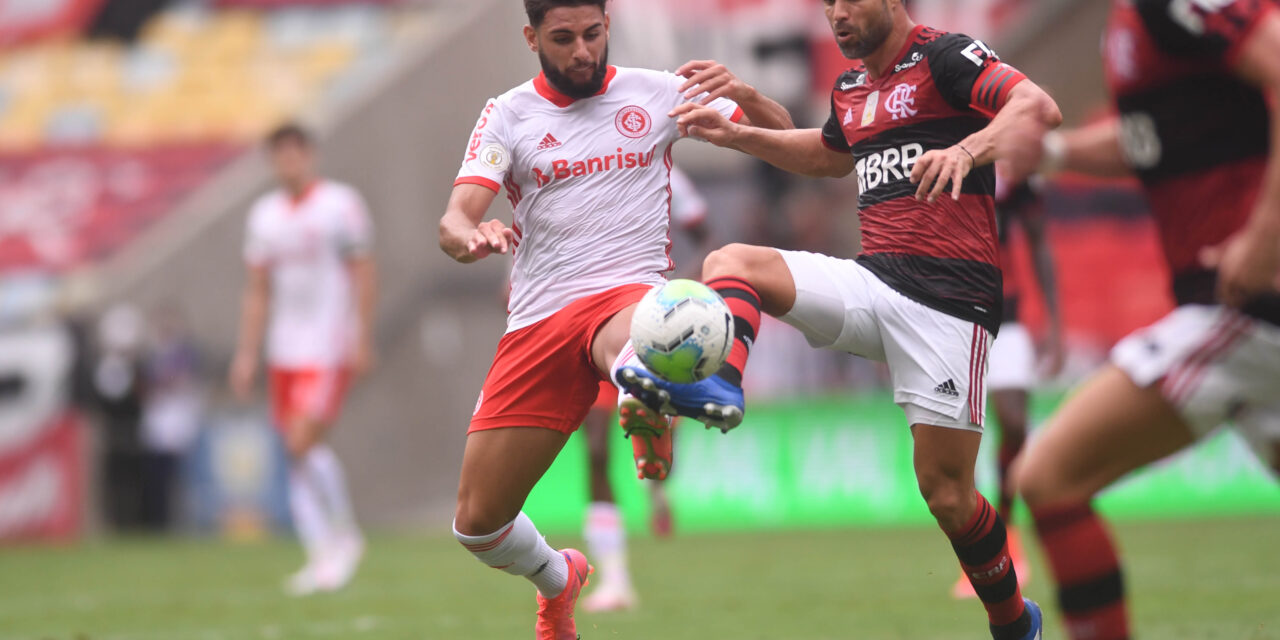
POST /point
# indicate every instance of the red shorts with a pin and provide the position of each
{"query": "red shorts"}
(310, 393)
(542, 375)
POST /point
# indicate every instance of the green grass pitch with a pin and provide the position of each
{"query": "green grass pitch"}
(1189, 580)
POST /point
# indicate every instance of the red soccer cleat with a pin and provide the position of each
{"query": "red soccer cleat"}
(555, 615)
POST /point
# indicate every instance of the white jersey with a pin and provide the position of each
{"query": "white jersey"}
(589, 182)
(306, 243)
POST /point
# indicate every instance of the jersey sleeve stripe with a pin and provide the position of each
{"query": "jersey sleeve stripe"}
(480, 180)
(1001, 92)
(738, 113)
(989, 78)
(993, 89)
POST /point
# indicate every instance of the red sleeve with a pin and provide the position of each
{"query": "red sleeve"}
(482, 181)
(991, 90)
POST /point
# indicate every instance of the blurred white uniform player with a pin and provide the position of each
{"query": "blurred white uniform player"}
(604, 529)
(306, 247)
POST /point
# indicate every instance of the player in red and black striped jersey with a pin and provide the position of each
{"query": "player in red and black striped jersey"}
(1196, 85)
(942, 88)
(917, 122)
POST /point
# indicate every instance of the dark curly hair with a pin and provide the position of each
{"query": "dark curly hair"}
(537, 9)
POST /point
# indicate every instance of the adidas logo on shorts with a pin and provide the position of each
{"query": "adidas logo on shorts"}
(947, 388)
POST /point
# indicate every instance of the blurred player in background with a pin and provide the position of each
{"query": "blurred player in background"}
(1013, 370)
(584, 152)
(1195, 85)
(604, 529)
(917, 121)
(311, 287)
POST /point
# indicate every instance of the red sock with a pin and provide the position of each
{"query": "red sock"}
(744, 304)
(1009, 448)
(983, 548)
(1084, 563)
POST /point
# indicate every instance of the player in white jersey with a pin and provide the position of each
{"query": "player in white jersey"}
(311, 284)
(603, 529)
(584, 152)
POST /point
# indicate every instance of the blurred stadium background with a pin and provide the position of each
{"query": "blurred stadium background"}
(129, 153)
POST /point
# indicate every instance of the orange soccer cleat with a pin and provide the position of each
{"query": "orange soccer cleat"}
(555, 615)
(650, 434)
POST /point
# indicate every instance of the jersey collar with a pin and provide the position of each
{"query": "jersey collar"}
(545, 89)
(912, 39)
(296, 201)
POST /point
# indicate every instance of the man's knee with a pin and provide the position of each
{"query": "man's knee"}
(739, 260)
(1034, 482)
(303, 435)
(476, 516)
(950, 500)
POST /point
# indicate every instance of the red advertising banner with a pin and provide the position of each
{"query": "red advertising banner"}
(66, 207)
(40, 484)
(22, 21)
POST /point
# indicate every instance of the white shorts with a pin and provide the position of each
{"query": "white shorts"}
(1013, 359)
(937, 362)
(1214, 365)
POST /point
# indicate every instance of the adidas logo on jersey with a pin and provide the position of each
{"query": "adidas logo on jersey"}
(947, 388)
(548, 142)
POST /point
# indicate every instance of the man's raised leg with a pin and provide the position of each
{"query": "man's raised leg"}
(751, 279)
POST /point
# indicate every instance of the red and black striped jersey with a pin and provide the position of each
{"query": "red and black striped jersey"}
(1196, 134)
(941, 88)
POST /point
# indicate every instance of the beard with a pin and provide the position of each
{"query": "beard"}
(865, 43)
(576, 90)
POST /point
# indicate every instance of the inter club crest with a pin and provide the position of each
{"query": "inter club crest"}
(633, 122)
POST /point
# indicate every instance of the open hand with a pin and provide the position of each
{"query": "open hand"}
(490, 237)
(938, 167)
(712, 78)
(703, 122)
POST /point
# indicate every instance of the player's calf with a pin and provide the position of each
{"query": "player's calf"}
(518, 549)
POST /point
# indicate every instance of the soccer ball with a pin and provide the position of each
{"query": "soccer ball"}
(682, 331)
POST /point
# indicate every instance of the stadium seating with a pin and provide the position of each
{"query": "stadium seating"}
(195, 75)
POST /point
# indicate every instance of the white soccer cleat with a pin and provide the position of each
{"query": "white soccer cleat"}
(340, 563)
(302, 582)
(610, 597)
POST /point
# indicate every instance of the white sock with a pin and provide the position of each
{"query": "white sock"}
(331, 482)
(607, 543)
(626, 358)
(309, 517)
(520, 550)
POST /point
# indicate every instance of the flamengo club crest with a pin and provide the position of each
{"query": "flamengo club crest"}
(633, 122)
(901, 103)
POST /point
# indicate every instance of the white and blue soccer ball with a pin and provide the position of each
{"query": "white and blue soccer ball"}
(682, 331)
